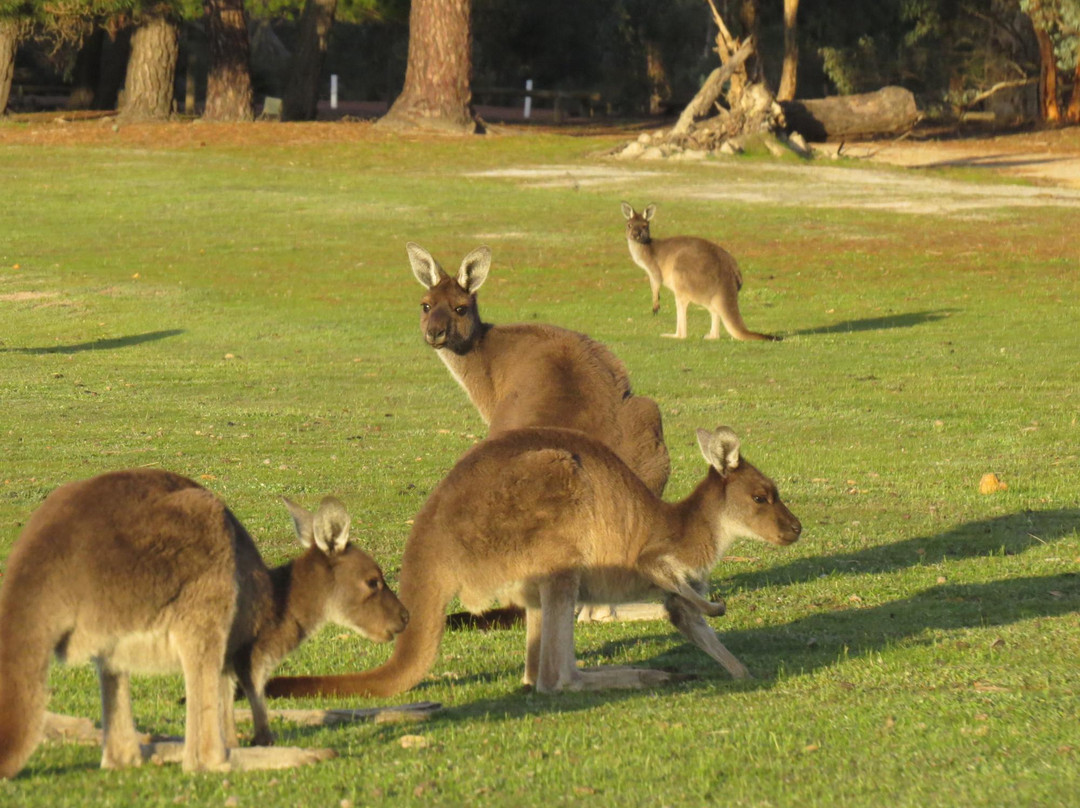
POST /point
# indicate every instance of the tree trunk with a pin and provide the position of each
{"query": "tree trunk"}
(659, 87)
(890, 110)
(1072, 112)
(750, 19)
(791, 52)
(228, 79)
(9, 43)
(1049, 110)
(705, 99)
(305, 71)
(155, 47)
(437, 93)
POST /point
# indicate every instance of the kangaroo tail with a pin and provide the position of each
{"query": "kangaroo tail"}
(415, 648)
(736, 327)
(24, 670)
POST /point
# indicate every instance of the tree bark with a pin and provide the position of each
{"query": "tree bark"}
(155, 47)
(702, 103)
(789, 72)
(1049, 110)
(436, 94)
(228, 79)
(9, 43)
(659, 87)
(1072, 112)
(890, 110)
(305, 71)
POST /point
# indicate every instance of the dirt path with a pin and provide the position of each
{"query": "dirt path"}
(1050, 157)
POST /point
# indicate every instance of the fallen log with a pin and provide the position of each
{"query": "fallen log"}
(888, 111)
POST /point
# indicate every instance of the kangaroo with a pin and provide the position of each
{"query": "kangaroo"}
(145, 571)
(695, 270)
(544, 518)
(535, 375)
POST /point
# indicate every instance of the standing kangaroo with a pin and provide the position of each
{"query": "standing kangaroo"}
(695, 270)
(533, 374)
(145, 571)
(544, 518)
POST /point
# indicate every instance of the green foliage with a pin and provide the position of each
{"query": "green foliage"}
(244, 313)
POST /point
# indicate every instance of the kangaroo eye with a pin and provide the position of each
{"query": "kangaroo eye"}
(425, 307)
(374, 583)
(759, 499)
(461, 311)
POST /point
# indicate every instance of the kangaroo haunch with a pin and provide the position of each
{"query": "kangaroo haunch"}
(544, 518)
(145, 571)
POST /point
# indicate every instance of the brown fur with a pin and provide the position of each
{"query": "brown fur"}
(695, 270)
(536, 375)
(544, 518)
(145, 571)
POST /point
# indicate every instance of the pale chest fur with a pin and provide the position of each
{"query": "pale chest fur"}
(643, 256)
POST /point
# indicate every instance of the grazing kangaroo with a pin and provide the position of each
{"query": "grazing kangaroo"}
(544, 518)
(695, 270)
(145, 571)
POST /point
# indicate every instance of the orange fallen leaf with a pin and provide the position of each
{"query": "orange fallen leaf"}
(990, 484)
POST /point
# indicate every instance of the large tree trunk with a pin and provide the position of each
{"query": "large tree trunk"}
(437, 93)
(890, 110)
(9, 42)
(228, 79)
(155, 47)
(789, 72)
(1049, 110)
(302, 90)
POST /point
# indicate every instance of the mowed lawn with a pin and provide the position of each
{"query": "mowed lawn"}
(236, 304)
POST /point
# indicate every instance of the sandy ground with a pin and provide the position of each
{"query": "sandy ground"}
(1050, 157)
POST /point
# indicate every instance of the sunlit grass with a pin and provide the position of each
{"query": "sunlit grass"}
(247, 316)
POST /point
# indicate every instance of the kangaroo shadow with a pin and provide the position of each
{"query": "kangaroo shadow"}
(908, 320)
(819, 640)
(100, 344)
(1010, 534)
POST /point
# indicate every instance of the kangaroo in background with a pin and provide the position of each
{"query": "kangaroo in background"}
(544, 518)
(145, 571)
(695, 270)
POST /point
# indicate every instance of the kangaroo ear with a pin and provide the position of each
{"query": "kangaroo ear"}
(474, 269)
(627, 211)
(720, 448)
(648, 212)
(331, 526)
(424, 266)
(303, 522)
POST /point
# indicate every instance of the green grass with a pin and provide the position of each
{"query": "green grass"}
(247, 316)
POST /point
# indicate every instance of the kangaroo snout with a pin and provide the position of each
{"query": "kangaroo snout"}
(790, 532)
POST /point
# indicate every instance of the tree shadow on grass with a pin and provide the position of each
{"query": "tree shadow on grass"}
(1009, 535)
(99, 344)
(908, 320)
